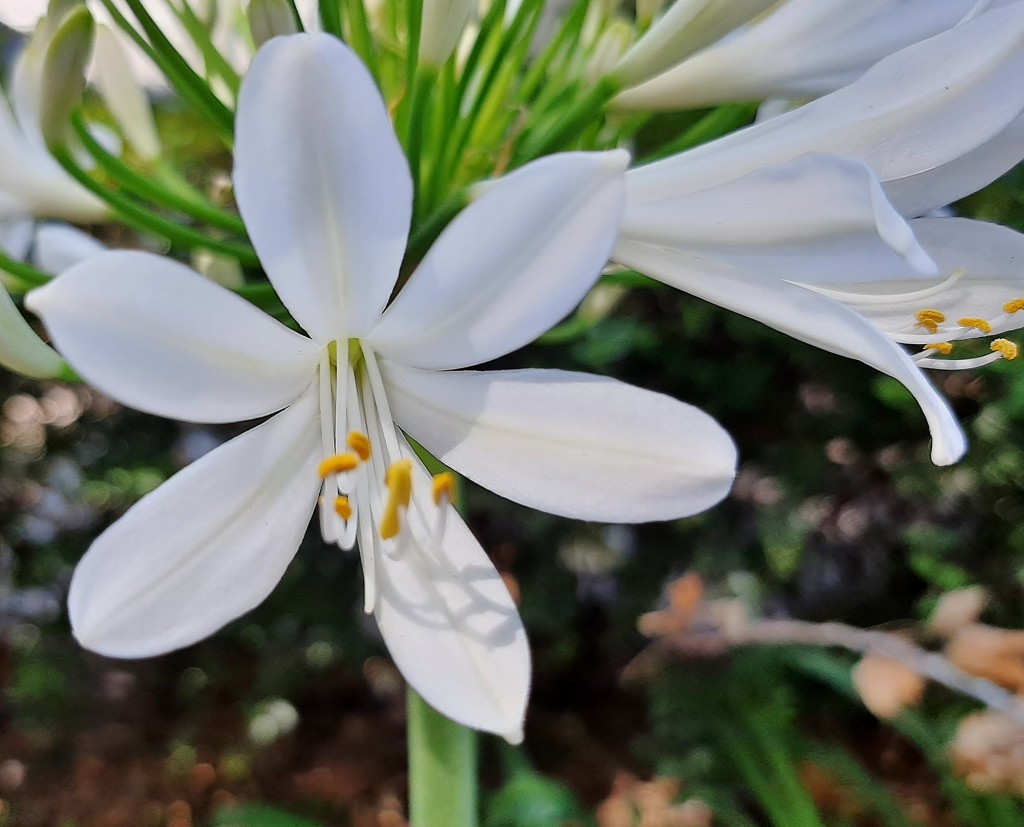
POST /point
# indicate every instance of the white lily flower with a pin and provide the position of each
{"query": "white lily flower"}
(788, 48)
(980, 294)
(897, 119)
(326, 196)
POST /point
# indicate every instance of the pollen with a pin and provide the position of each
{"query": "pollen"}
(399, 483)
(975, 322)
(444, 487)
(1014, 306)
(343, 508)
(930, 319)
(338, 464)
(360, 443)
(1005, 347)
(945, 348)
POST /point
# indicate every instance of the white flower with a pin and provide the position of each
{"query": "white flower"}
(326, 195)
(706, 52)
(933, 129)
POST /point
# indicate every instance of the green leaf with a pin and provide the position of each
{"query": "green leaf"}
(255, 815)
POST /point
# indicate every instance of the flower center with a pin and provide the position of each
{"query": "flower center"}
(370, 493)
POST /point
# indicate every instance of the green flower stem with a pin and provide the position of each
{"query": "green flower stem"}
(715, 124)
(330, 17)
(144, 220)
(360, 36)
(145, 187)
(200, 34)
(422, 90)
(563, 132)
(25, 273)
(442, 769)
(560, 43)
(181, 76)
(426, 233)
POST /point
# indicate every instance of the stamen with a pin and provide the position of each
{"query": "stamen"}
(975, 322)
(399, 483)
(945, 348)
(343, 508)
(930, 319)
(444, 487)
(1005, 347)
(338, 464)
(1014, 306)
(360, 443)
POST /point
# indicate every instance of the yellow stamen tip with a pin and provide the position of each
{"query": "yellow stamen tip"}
(399, 482)
(1008, 349)
(444, 487)
(972, 321)
(1014, 306)
(929, 317)
(945, 348)
(338, 464)
(343, 508)
(360, 443)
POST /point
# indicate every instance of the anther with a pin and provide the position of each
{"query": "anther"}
(945, 348)
(444, 487)
(1005, 347)
(978, 323)
(1014, 306)
(399, 483)
(930, 319)
(360, 443)
(338, 464)
(343, 508)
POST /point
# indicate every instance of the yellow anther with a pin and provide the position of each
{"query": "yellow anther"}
(930, 319)
(444, 487)
(360, 443)
(1005, 347)
(338, 464)
(945, 348)
(399, 483)
(1014, 306)
(343, 508)
(972, 321)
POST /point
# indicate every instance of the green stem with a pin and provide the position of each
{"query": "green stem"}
(719, 122)
(330, 17)
(140, 218)
(216, 64)
(23, 272)
(442, 769)
(144, 187)
(563, 132)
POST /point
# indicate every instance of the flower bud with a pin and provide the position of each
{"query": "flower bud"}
(646, 11)
(63, 81)
(610, 48)
(269, 19)
(21, 350)
(441, 28)
(125, 98)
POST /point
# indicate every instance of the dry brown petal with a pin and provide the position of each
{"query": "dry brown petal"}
(988, 752)
(887, 686)
(988, 652)
(957, 609)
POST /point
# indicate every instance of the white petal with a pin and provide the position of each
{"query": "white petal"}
(16, 235)
(571, 444)
(123, 95)
(818, 218)
(800, 48)
(926, 191)
(159, 337)
(205, 547)
(451, 626)
(60, 246)
(511, 265)
(443, 22)
(322, 183)
(803, 314)
(687, 26)
(912, 112)
(992, 260)
(21, 350)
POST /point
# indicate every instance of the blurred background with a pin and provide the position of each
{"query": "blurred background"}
(293, 716)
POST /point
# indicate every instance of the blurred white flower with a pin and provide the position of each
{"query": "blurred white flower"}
(933, 129)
